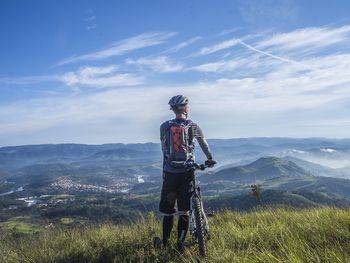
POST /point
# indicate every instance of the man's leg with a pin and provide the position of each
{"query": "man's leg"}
(168, 222)
(167, 205)
(184, 206)
(182, 226)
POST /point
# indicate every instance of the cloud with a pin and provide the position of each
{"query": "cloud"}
(218, 66)
(183, 45)
(307, 38)
(90, 18)
(295, 43)
(96, 77)
(240, 105)
(218, 47)
(93, 26)
(100, 77)
(251, 65)
(116, 114)
(266, 86)
(122, 47)
(158, 64)
(275, 57)
(228, 31)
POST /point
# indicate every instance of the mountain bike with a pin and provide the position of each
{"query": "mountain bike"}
(199, 226)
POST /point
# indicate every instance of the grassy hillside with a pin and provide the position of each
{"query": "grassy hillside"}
(280, 235)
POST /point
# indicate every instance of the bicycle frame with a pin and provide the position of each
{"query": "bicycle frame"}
(197, 193)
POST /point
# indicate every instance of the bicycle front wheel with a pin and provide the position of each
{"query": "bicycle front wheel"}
(199, 227)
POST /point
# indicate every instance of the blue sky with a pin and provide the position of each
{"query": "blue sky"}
(103, 71)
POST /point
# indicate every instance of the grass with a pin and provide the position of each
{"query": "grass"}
(19, 225)
(269, 235)
(67, 220)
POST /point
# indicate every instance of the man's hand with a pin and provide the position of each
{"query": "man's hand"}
(210, 163)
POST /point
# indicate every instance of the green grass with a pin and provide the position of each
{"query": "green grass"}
(19, 225)
(67, 220)
(20, 228)
(269, 235)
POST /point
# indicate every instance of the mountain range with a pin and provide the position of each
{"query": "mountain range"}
(302, 172)
(264, 168)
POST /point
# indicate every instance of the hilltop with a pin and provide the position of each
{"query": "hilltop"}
(269, 235)
(264, 168)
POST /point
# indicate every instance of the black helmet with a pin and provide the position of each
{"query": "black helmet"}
(178, 102)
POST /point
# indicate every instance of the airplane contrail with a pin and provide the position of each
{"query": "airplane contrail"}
(274, 56)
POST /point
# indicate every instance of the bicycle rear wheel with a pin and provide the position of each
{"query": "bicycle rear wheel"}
(197, 205)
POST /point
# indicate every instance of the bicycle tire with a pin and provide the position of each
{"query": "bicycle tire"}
(199, 227)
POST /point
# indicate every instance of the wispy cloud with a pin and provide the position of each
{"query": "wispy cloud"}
(245, 103)
(183, 45)
(275, 57)
(267, 81)
(307, 38)
(157, 64)
(248, 64)
(90, 19)
(104, 113)
(93, 26)
(122, 47)
(97, 77)
(295, 43)
(101, 77)
(218, 47)
(228, 31)
(218, 66)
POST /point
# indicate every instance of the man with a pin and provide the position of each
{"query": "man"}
(178, 139)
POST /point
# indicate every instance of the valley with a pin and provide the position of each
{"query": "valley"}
(73, 184)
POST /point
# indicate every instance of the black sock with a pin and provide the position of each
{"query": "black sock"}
(182, 227)
(168, 222)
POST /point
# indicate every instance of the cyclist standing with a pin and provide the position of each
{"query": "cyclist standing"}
(177, 140)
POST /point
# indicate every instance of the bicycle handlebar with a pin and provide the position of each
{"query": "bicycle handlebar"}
(192, 166)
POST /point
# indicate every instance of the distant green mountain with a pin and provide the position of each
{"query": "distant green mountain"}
(271, 198)
(333, 187)
(275, 174)
(260, 170)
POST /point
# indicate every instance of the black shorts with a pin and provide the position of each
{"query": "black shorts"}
(176, 187)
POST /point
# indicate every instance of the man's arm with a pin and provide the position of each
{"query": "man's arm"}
(198, 134)
(163, 139)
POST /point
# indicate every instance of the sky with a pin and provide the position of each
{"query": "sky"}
(103, 71)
